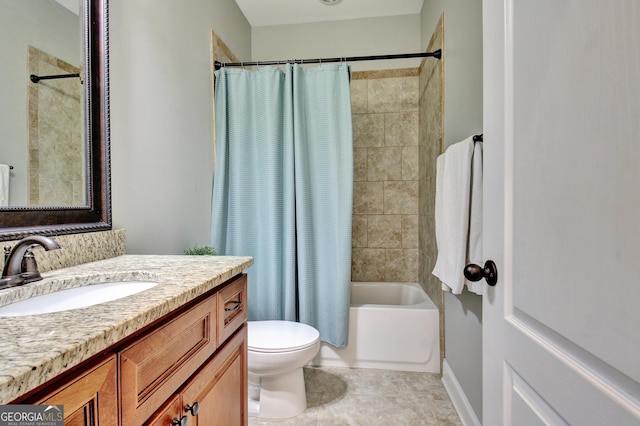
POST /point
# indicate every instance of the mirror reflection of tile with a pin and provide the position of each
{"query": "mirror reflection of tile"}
(56, 172)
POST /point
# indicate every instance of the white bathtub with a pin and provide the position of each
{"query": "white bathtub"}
(392, 326)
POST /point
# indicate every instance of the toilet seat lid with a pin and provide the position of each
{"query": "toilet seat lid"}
(280, 336)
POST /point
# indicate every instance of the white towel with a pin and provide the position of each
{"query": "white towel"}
(4, 185)
(474, 249)
(458, 215)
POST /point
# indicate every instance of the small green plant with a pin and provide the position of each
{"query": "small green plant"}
(200, 251)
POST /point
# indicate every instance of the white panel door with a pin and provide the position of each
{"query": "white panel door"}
(561, 330)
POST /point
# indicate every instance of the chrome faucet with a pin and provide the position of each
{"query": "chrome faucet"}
(20, 265)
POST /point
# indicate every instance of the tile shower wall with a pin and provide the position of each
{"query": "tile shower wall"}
(394, 170)
(55, 134)
(431, 144)
(385, 112)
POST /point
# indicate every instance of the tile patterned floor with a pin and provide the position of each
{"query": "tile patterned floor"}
(345, 396)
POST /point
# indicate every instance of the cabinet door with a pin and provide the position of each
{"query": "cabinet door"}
(220, 388)
(89, 398)
(170, 414)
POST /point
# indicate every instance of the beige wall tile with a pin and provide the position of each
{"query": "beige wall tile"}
(359, 164)
(367, 264)
(410, 161)
(368, 130)
(359, 90)
(385, 95)
(401, 265)
(359, 230)
(384, 231)
(394, 150)
(401, 197)
(368, 197)
(410, 234)
(431, 105)
(384, 164)
(55, 135)
(410, 93)
(401, 129)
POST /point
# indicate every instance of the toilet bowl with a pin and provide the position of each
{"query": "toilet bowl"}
(277, 351)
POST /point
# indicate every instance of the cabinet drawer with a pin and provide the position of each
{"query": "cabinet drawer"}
(232, 308)
(153, 367)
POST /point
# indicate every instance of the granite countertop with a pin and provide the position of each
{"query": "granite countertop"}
(36, 348)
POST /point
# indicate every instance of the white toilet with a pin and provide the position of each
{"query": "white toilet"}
(277, 352)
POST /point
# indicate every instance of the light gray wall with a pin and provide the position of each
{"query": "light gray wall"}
(161, 117)
(358, 37)
(47, 26)
(463, 117)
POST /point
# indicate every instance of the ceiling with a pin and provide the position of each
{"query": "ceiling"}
(282, 12)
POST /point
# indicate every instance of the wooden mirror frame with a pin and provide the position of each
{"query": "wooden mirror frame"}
(19, 222)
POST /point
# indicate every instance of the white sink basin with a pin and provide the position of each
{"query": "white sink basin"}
(75, 298)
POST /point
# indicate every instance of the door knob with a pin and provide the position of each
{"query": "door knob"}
(474, 272)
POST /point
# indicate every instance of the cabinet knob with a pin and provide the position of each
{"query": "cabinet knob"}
(184, 421)
(193, 409)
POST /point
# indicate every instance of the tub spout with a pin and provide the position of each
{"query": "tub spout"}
(20, 265)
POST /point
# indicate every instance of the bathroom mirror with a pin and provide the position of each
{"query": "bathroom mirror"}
(93, 210)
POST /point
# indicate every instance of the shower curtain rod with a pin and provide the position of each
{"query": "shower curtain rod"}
(436, 54)
(36, 78)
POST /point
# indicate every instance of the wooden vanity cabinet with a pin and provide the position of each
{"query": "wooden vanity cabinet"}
(187, 348)
(90, 398)
(197, 354)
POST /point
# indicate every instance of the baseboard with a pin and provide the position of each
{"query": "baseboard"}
(458, 398)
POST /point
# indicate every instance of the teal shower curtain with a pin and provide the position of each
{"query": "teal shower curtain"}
(283, 190)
